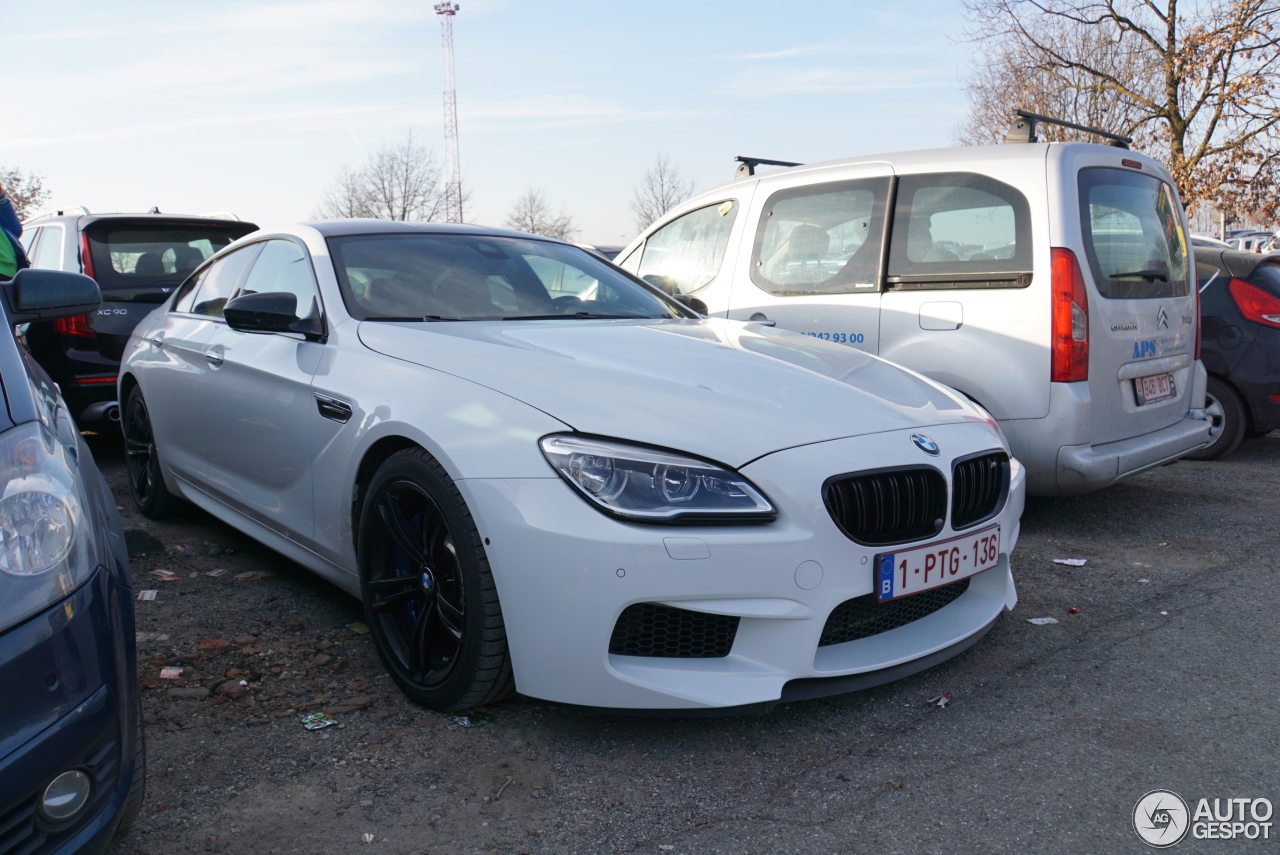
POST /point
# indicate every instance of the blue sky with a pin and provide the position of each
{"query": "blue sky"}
(253, 106)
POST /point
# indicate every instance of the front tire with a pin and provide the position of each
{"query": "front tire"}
(429, 595)
(1224, 407)
(146, 482)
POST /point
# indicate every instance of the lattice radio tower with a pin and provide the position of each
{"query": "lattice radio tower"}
(452, 164)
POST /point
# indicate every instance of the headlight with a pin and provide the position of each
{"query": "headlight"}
(647, 485)
(46, 549)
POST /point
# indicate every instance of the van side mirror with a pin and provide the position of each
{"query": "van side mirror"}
(271, 312)
(46, 295)
(692, 303)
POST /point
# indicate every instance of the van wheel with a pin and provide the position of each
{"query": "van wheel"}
(429, 596)
(1226, 410)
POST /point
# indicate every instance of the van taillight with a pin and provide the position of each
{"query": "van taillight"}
(1070, 319)
(1254, 303)
(86, 260)
(77, 325)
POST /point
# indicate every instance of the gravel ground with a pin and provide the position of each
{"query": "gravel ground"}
(1165, 678)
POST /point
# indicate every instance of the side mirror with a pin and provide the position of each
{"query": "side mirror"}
(46, 295)
(271, 312)
(692, 303)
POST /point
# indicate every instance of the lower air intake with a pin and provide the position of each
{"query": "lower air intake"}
(650, 629)
(866, 616)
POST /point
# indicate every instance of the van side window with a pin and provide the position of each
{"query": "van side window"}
(48, 254)
(821, 239)
(1133, 235)
(632, 262)
(685, 254)
(959, 230)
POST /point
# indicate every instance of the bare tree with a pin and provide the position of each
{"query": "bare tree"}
(25, 190)
(532, 213)
(661, 188)
(1197, 86)
(397, 182)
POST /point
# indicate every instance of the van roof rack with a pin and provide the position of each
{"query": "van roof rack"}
(747, 165)
(1023, 129)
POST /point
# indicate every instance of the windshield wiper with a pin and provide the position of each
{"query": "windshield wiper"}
(419, 319)
(579, 316)
(1145, 274)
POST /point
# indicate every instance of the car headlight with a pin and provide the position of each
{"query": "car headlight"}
(46, 548)
(647, 485)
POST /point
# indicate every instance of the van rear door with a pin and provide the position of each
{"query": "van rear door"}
(1133, 250)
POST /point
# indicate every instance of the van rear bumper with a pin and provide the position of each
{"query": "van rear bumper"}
(1082, 468)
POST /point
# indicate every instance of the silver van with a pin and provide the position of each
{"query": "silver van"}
(1049, 282)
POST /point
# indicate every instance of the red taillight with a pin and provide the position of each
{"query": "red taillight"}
(86, 260)
(1070, 319)
(76, 325)
(1254, 303)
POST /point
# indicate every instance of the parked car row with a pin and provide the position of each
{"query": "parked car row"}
(541, 472)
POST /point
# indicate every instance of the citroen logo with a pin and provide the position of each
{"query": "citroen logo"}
(1162, 320)
(925, 444)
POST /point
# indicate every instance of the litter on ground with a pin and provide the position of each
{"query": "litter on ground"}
(147, 595)
(170, 672)
(317, 720)
(1073, 611)
(216, 573)
(358, 627)
(941, 700)
(473, 719)
(1042, 621)
(1071, 562)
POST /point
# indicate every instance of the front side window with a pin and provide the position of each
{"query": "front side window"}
(282, 267)
(1133, 235)
(685, 254)
(220, 283)
(407, 277)
(821, 239)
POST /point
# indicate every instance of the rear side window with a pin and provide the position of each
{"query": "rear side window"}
(959, 230)
(130, 255)
(821, 239)
(686, 253)
(48, 252)
(1133, 235)
(220, 283)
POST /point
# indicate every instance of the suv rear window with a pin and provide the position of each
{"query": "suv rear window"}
(1133, 235)
(131, 254)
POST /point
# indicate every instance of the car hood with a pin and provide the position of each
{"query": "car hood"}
(720, 389)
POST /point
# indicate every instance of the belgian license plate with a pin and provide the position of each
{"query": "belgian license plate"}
(910, 571)
(1157, 387)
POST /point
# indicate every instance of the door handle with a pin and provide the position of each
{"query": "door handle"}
(762, 318)
(215, 355)
(157, 341)
(333, 409)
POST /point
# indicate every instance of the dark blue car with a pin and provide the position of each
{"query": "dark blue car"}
(1240, 344)
(71, 749)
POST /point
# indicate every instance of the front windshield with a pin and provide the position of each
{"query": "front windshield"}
(479, 277)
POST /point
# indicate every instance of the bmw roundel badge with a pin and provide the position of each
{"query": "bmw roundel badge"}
(925, 444)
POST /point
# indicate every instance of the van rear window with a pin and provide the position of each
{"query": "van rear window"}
(131, 255)
(1133, 235)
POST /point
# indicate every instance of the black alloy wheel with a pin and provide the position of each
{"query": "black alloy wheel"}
(1228, 420)
(145, 480)
(429, 595)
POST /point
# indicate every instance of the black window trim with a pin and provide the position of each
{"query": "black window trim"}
(818, 189)
(963, 280)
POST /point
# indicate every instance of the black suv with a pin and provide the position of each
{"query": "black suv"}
(1240, 344)
(137, 260)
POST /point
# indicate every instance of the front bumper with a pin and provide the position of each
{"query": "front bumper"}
(84, 719)
(565, 572)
